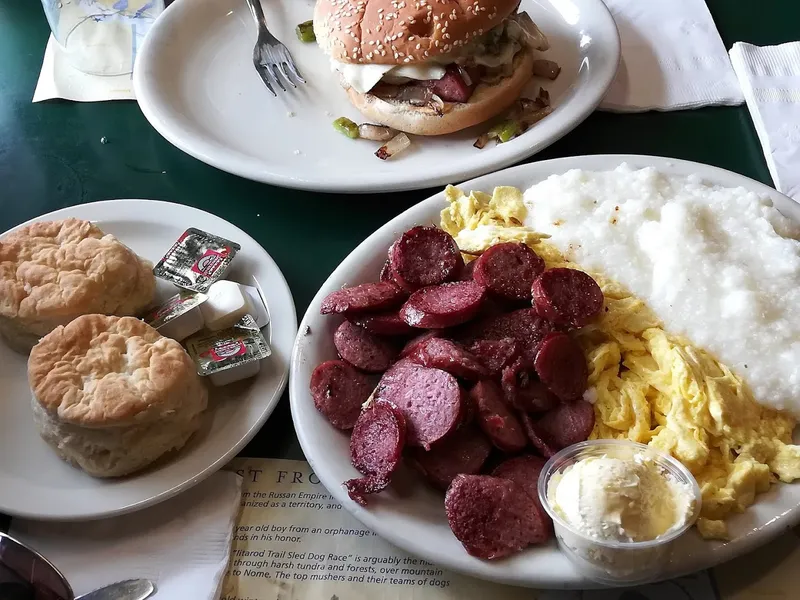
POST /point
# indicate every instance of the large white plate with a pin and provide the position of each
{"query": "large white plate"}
(35, 483)
(196, 84)
(410, 515)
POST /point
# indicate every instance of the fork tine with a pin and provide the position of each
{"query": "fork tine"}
(286, 74)
(277, 76)
(294, 71)
(265, 78)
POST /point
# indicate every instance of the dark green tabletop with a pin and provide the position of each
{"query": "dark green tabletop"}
(51, 157)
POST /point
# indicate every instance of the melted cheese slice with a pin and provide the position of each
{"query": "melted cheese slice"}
(363, 78)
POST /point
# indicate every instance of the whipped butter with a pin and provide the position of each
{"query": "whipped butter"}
(618, 508)
(621, 500)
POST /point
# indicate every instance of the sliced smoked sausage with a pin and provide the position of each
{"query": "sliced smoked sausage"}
(424, 256)
(448, 356)
(495, 354)
(561, 365)
(494, 417)
(524, 391)
(463, 452)
(567, 424)
(384, 323)
(444, 305)
(366, 297)
(339, 390)
(492, 517)
(430, 399)
(376, 448)
(363, 349)
(567, 297)
(539, 441)
(507, 270)
(522, 325)
(524, 470)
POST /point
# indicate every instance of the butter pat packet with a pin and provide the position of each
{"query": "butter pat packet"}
(196, 260)
(233, 348)
(179, 317)
(228, 302)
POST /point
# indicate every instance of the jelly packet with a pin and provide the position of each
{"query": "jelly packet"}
(233, 347)
(196, 260)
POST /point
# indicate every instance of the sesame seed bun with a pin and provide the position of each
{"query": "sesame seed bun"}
(392, 32)
(486, 102)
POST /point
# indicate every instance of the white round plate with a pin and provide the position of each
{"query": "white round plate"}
(36, 484)
(412, 516)
(195, 82)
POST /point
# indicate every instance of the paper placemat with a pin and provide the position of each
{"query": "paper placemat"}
(295, 541)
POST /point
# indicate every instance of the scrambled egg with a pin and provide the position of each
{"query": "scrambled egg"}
(649, 386)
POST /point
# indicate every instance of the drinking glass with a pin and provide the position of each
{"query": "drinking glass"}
(101, 37)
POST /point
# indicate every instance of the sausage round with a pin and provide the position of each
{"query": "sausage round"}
(463, 452)
(492, 517)
(339, 390)
(430, 400)
(507, 270)
(413, 343)
(567, 424)
(367, 297)
(561, 365)
(537, 438)
(522, 325)
(523, 391)
(524, 470)
(444, 305)
(495, 419)
(363, 349)
(567, 297)
(424, 256)
(385, 323)
(495, 354)
(448, 356)
(376, 448)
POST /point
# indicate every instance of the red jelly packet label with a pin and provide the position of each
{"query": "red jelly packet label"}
(221, 350)
(177, 305)
(196, 260)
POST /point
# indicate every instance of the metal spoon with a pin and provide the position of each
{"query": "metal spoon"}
(31, 575)
(132, 589)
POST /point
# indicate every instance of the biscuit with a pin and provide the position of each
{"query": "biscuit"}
(54, 271)
(111, 395)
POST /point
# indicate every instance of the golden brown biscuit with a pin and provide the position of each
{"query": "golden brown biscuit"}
(112, 395)
(54, 271)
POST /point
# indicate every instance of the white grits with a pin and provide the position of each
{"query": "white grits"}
(720, 266)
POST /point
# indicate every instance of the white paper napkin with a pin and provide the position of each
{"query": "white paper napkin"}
(672, 58)
(770, 80)
(182, 544)
(59, 79)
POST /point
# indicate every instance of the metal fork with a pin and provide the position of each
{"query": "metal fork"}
(270, 57)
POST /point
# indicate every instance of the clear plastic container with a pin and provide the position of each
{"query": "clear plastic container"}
(101, 37)
(613, 562)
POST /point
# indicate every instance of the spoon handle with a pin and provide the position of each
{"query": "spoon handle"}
(132, 589)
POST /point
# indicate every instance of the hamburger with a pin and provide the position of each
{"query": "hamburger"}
(429, 67)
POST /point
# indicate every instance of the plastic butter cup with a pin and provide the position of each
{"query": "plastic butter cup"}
(611, 561)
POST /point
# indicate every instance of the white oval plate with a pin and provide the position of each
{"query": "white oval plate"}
(412, 516)
(36, 484)
(195, 82)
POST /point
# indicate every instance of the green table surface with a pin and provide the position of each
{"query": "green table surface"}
(51, 157)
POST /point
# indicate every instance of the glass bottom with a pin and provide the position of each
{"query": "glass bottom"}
(100, 48)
